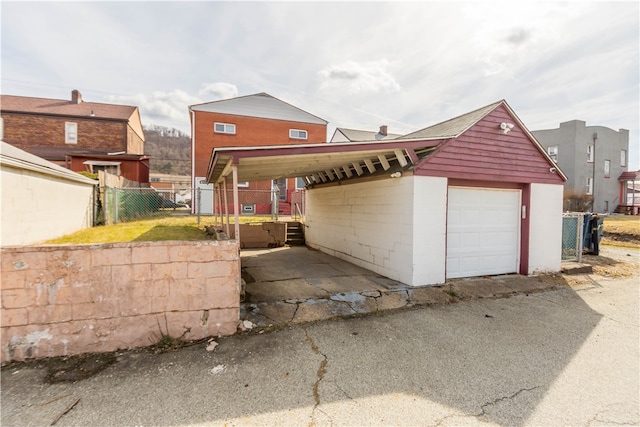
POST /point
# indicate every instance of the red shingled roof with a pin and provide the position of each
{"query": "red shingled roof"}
(629, 176)
(23, 104)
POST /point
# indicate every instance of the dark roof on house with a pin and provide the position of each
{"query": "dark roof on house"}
(260, 105)
(14, 157)
(453, 127)
(65, 107)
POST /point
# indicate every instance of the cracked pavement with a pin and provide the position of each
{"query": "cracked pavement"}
(567, 355)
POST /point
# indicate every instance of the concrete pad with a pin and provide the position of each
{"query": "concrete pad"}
(281, 290)
(480, 289)
(345, 284)
(390, 300)
(314, 310)
(428, 295)
(576, 268)
(274, 313)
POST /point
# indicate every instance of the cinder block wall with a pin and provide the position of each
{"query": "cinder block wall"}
(369, 224)
(65, 300)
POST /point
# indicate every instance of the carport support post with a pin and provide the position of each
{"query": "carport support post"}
(234, 170)
(226, 204)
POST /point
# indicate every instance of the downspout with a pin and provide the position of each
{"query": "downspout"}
(193, 160)
(593, 177)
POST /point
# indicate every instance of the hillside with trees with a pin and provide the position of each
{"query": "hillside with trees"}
(169, 148)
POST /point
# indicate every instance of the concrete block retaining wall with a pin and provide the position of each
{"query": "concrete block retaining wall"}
(64, 300)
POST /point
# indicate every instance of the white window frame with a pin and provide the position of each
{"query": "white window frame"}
(304, 183)
(1, 128)
(589, 153)
(244, 184)
(70, 133)
(227, 128)
(298, 134)
(623, 158)
(553, 153)
(590, 186)
(607, 168)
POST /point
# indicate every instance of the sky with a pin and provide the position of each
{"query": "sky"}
(357, 65)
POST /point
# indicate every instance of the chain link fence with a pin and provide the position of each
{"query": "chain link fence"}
(116, 205)
(572, 236)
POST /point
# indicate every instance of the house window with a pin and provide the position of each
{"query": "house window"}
(607, 168)
(623, 158)
(590, 153)
(553, 153)
(300, 183)
(589, 186)
(71, 133)
(224, 128)
(244, 184)
(297, 134)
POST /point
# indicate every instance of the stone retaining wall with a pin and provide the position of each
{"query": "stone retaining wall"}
(64, 300)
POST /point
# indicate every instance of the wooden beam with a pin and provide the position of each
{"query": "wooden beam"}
(413, 156)
(329, 174)
(358, 168)
(400, 156)
(347, 171)
(370, 165)
(322, 177)
(226, 204)
(337, 172)
(383, 161)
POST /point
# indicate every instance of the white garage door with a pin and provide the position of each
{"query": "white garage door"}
(483, 232)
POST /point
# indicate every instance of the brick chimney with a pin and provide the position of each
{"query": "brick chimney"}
(76, 97)
(383, 130)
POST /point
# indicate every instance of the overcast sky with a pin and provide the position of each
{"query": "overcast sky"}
(358, 65)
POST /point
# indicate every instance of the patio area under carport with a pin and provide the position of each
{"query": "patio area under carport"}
(296, 284)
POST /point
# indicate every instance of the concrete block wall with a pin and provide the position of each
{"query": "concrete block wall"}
(369, 224)
(37, 207)
(65, 300)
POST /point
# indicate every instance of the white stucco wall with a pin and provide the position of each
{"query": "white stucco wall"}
(37, 207)
(429, 230)
(545, 237)
(394, 227)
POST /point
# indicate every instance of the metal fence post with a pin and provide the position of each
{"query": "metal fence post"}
(198, 191)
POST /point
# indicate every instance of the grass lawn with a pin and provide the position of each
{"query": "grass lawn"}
(149, 230)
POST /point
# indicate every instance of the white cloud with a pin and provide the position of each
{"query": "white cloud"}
(359, 77)
(160, 107)
(218, 90)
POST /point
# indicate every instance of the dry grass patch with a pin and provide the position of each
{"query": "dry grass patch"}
(622, 230)
(183, 227)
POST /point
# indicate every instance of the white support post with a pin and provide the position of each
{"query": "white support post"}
(226, 204)
(236, 205)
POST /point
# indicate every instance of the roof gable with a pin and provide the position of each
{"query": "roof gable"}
(487, 152)
(260, 105)
(356, 135)
(62, 107)
(453, 127)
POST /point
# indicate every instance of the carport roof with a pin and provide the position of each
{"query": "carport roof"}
(316, 162)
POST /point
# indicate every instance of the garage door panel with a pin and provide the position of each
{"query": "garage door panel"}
(483, 232)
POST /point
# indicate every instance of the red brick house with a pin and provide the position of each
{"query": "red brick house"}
(79, 135)
(249, 121)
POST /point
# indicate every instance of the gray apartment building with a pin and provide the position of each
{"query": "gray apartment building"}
(592, 157)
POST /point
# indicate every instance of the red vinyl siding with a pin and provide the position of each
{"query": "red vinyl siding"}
(485, 153)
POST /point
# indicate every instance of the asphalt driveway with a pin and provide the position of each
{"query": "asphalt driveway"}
(566, 356)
